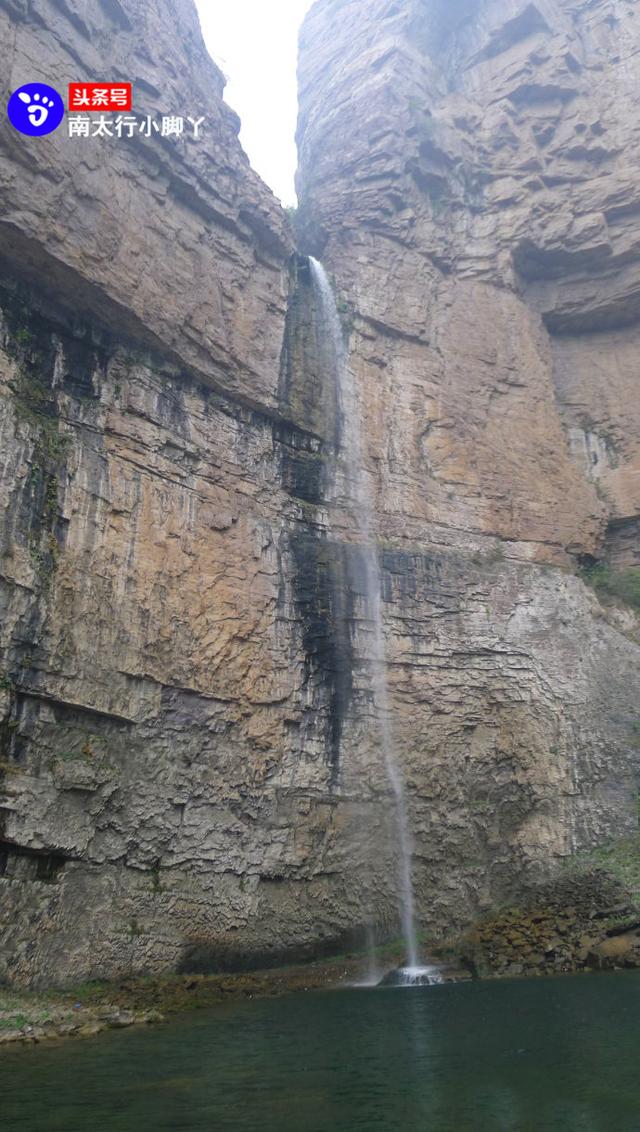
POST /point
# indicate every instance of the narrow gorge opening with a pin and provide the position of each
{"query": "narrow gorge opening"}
(255, 44)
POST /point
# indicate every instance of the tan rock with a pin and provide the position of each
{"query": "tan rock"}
(619, 946)
(193, 775)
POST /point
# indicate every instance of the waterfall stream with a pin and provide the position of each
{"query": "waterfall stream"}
(353, 482)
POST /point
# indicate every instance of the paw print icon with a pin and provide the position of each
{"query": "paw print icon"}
(35, 109)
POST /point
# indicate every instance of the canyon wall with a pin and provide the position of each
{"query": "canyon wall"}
(469, 172)
(164, 769)
(190, 773)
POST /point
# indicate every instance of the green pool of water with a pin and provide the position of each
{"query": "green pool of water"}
(524, 1056)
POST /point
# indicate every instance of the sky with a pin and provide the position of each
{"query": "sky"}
(255, 44)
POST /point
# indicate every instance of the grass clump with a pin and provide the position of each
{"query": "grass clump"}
(620, 585)
(619, 858)
(14, 1022)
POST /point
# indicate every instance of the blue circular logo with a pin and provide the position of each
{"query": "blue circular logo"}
(35, 109)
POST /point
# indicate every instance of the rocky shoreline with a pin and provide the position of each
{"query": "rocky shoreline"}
(571, 929)
(80, 1022)
(30, 1018)
(585, 919)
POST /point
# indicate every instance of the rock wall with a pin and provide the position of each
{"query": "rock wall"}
(167, 663)
(190, 771)
(468, 172)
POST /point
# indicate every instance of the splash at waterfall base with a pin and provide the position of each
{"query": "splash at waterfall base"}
(429, 976)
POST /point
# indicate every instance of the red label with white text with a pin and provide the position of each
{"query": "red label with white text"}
(100, 96)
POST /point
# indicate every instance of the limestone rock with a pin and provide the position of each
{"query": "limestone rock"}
(174, 242)
(467, 172)
(191, 774)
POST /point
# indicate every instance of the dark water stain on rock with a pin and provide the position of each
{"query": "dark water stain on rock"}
(323, 592)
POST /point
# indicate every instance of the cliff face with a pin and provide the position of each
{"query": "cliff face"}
(190, 770)
(163, 771)
(469, 173)
(483, 212)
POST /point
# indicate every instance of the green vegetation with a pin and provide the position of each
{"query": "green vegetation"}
(621, 585)
(73, 756)
(14, 1022)
(156, 883)
(6, 683)
(35, 404)
(619, 858)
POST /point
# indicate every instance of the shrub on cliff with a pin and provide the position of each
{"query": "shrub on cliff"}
(623, 585)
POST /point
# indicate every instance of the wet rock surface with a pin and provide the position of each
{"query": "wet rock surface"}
(81, 1022)
(460, 168)
(430, 975)
(31, 1018)
(588, 922)
(190, 771)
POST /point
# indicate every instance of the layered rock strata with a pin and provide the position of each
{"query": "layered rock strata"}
(469, 173)
(191, 773)
(169, 686)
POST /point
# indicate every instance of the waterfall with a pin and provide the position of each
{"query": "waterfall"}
(430, 976)
(353, 482)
